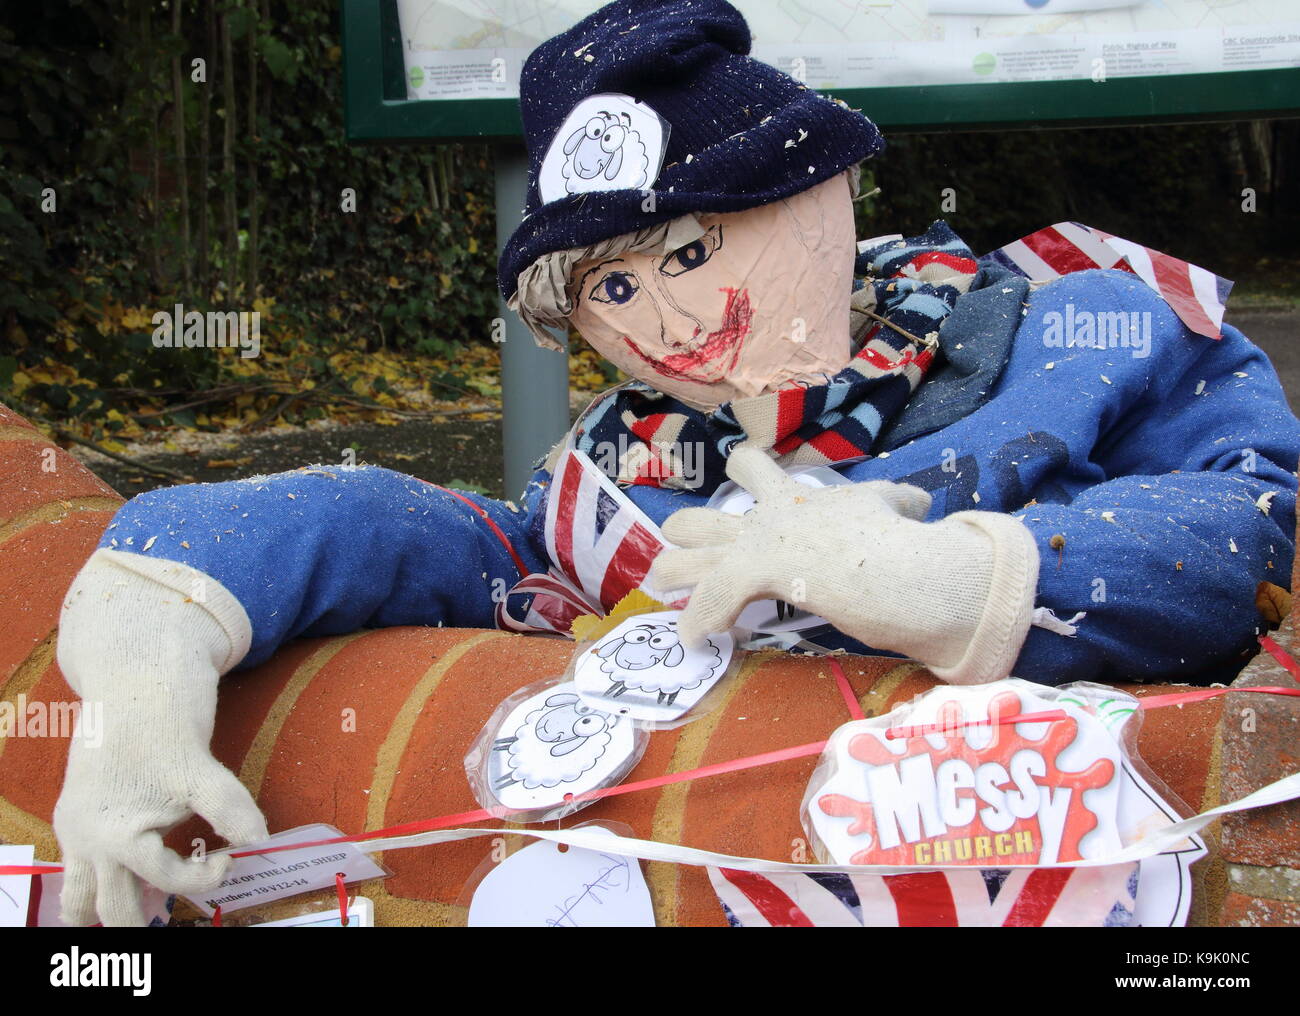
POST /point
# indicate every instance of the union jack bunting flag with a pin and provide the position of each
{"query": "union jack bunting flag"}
(600, 545)
(1197, 296)
(1006, 897)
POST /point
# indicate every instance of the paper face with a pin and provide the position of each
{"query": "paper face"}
(553, 745)
(641, 669)
(607, 142)
(761, 299)
(542, 887)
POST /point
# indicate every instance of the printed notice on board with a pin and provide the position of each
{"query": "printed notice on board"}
(469, 49)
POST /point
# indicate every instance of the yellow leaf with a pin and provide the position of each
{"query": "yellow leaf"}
(473, 245)
(1273, 602)
(137, 320)
(589, 627)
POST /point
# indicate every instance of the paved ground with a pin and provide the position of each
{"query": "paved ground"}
(1278, 334)
(468, 453)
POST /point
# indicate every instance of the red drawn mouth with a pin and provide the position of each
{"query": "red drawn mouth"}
(702, 364)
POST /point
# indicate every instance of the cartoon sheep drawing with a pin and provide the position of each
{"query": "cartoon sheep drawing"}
(608, 152)
(649, 658)
(556, 743)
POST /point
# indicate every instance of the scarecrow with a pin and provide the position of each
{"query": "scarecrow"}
(990, 500)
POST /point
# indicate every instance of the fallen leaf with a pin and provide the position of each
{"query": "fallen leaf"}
(1273, 602)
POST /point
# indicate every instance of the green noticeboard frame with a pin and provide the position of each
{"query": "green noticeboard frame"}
(378, 111)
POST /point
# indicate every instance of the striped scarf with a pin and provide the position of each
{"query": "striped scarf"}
(638, 435)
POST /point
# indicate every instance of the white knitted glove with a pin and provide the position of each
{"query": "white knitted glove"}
(143, 642)
(956, 594)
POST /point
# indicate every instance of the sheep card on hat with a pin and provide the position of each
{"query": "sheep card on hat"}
(544, 746)
(642, 670)
(607, 142)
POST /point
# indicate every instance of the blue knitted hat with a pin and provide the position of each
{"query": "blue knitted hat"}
(740, 132)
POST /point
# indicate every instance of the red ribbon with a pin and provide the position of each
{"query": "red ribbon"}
(341, 886)
(842, 682)
(722, 768)
(496, 530)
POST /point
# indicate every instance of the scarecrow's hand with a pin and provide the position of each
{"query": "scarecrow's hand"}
(145, 660)
(956, 594)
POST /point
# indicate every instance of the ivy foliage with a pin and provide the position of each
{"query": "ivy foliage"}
(373, 267)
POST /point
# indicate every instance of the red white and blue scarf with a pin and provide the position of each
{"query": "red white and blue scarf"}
(913, 284)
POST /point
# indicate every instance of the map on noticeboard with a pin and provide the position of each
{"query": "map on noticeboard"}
(475, 49)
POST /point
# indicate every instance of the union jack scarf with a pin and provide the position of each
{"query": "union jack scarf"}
(637, 434)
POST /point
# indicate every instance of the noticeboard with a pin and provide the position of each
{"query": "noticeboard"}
(440, 70)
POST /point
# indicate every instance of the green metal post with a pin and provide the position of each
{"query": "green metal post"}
(534, 381)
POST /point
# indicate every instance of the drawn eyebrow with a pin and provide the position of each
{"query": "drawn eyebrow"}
(582, 283)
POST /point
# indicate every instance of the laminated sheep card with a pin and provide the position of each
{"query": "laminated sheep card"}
(609, 141)
(543, 748)
(641, 670)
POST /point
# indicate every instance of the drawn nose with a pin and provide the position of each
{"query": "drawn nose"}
(587, 171)
(682, 330)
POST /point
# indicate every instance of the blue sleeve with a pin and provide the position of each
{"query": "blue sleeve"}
(1165, 463)
(1165, 555)
(330, 549)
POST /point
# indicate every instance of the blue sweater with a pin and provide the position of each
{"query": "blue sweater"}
(1165, 464)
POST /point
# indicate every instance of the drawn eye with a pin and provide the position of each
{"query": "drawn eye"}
(595, 127)
(637, 637)
(691, 256)
(612, 140)
(588, 725)
(664, 640)
(616, 287)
